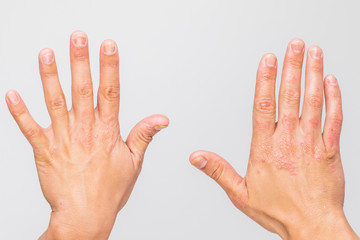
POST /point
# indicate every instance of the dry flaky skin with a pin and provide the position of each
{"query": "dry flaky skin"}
(294, 185)
(86, 170)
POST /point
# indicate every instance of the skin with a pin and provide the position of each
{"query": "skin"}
(294, 184)
(86, 170)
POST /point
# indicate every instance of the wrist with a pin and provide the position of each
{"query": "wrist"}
(79, 228)
(333, 225)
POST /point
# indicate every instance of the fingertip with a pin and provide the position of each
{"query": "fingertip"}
(196, 154)
(331, 80)
(79, 39)
(12, 97)
(315, 52)
(296, 45)
(297, 40)
(198, 160)
(109, 47)
(158, 121)
(76, 33)
(45, 51)
(163, 120)
(46, 56)
(270, 60)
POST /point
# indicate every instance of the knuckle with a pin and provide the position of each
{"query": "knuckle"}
(111, 93)
(57, 103)
(217, 172)
(80, 56)
(331, 154)
(144, 137)
(316, 67)
(267, 75)
(19, 112)
(295, 63)
(336, 95)
(31, 132)
(265, 106)
(111, 64)
(291, 97)
(49, 74)
(315, 101)
(86, 90)
(336, 119)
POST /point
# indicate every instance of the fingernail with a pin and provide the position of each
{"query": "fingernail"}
(331, 80)
(47, 57)
(270, 60)
(316, 53)
(297, 46)
(159, 127)
(79, 39)
(199, 162)
(109, 47)
(13, 97)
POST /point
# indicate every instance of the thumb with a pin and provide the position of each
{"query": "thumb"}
(141, 135)
(223, 173)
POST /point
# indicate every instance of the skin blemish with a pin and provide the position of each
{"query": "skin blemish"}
(333, 137)
(314, 122)
(306, 146)
(317, 154)
(266, 150)
(291, 79)
(332, 167)
(263, 125)
(282, 162)
(325, 190)
(62, 204)
(288, 122)
(42, 170)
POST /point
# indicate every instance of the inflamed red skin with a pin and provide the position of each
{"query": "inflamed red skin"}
(294, 184)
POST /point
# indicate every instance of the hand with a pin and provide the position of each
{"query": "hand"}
(294, 184)
(86, 170)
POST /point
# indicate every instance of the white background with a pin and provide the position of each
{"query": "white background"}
(193, 60)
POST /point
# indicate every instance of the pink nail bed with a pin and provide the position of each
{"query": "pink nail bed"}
(332, 81)
(316, 53)
(79, 39)
(199, 162)
(297, 46)
(13, 98)
(109, 48)
(270, 61)
(47, 58)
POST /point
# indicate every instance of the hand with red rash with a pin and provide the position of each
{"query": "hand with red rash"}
(294, 184)
(86, 170)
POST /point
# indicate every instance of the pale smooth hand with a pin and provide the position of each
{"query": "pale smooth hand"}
(86, 170)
